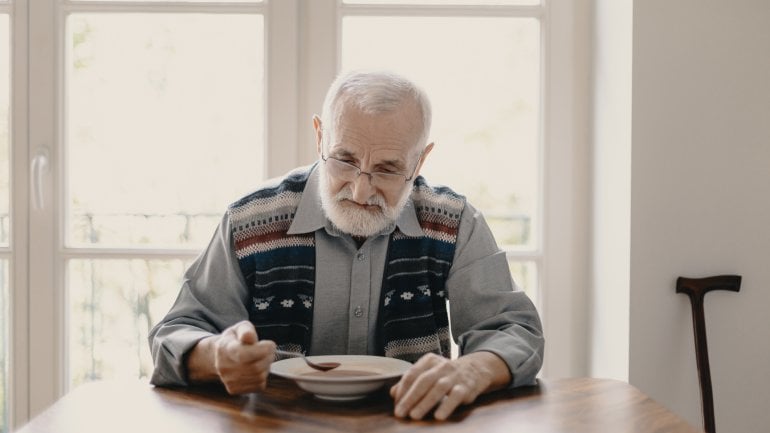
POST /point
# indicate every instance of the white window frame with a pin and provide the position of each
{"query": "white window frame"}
(301, 60)
(566, 161)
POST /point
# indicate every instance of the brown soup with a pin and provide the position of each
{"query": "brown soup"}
(340, 373)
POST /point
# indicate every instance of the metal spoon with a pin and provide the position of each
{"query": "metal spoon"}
(321, 366)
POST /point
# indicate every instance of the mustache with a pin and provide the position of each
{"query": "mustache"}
(347, 194)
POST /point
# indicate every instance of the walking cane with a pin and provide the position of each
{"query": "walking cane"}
(696, 289)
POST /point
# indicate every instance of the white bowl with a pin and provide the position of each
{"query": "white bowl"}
(357, 375)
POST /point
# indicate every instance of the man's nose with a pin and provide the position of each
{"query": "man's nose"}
(362, 188)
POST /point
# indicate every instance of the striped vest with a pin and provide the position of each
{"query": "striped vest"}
(279, 270)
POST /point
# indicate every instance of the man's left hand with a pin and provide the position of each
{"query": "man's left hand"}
(437, 382)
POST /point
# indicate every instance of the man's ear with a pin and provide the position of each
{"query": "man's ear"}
(424, 155)
(318, 134)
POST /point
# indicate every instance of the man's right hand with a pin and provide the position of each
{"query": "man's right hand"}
(236, 356)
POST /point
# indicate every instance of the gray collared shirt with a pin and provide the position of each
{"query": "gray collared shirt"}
(487, 311)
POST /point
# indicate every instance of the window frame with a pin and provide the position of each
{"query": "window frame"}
(17, 251)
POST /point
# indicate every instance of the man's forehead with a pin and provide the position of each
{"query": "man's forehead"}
(376, 131)
(404, 117)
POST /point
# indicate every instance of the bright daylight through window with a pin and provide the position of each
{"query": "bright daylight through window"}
(164, 127)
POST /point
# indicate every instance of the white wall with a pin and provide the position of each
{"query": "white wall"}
(700, 202)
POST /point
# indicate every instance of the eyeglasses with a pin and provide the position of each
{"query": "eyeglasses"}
(379, 179)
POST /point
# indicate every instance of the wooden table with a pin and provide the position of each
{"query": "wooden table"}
(565, 405)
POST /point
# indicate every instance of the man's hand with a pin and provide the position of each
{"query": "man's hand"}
(437, 382)
(236, 357)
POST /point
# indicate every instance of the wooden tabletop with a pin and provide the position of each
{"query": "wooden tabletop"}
(565, 405)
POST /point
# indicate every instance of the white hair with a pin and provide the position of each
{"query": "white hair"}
(375, 92)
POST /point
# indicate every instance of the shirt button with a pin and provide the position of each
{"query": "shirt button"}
(360, 256)
(358, 312)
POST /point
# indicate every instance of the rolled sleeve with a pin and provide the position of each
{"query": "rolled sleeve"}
(488, 312)
(213, 297)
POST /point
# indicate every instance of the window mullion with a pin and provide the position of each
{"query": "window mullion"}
(318, 65)
(282, 95)
(127, 253)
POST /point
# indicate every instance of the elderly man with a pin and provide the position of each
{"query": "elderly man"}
(356, 254)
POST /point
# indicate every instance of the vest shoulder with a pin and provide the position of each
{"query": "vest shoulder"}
(437, 196)
(293, 183)
(276, 198)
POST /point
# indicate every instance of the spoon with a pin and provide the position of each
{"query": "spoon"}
(320, 366)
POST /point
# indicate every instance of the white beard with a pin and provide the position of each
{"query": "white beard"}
(352, 219)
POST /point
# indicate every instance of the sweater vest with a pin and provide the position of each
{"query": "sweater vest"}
(279, 270)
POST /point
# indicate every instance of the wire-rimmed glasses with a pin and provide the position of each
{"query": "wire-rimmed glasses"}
(379, 179)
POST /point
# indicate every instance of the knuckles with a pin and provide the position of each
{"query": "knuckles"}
(445, 383)
(434, 376)
(432, 358)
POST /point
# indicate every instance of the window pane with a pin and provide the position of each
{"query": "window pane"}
(112, 306)
(483, 77)
(445, 2)
(5, 322)
(164, 125)
(525, 276)
(5, 136)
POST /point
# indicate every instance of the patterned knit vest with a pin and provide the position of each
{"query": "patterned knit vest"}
(279, 269)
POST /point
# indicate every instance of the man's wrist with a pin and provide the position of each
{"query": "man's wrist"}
(201, 361)
(490, 366)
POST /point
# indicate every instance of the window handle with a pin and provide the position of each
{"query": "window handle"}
(39, 169)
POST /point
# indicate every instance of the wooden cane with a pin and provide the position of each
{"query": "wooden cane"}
(696, 289)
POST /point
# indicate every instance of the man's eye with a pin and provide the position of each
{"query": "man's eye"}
(389, 169)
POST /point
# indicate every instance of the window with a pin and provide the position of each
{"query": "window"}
(147, 118)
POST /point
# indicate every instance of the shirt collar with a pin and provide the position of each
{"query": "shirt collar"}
(310, 216)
